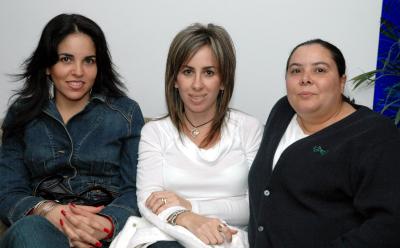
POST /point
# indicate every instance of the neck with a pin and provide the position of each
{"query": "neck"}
(194, 119)
(311, 124)
(68, 109)
(198, 125)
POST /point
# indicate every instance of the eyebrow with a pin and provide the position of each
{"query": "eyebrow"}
(316, 63)
(65, 54)
(321, 63)
(70, 55)
(204, 68)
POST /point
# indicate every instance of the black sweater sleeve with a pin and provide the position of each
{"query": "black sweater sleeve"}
(375, 179)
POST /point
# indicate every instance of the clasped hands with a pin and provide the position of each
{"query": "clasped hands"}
(81, 224)
(211, 231)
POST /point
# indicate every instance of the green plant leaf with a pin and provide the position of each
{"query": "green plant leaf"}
(397, 118)
(364, 78)
(389, 30)
(388, 105)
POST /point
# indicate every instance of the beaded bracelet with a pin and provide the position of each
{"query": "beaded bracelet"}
(172, 218)
(44, 207)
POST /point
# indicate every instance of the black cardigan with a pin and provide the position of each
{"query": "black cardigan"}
(339, 187)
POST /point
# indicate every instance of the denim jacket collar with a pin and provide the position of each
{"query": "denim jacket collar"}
(51, 108)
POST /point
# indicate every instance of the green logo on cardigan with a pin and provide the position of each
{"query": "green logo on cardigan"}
(320, 150)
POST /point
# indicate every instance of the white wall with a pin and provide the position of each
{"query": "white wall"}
(139, 34)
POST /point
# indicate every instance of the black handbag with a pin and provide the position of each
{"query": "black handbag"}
(54, 188)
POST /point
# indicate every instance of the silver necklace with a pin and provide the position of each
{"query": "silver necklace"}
(195, 130)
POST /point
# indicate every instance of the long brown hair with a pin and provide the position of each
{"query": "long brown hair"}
(185, 44)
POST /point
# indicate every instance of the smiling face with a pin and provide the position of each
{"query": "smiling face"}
(199, 83)
(314, 86)
(75, 72)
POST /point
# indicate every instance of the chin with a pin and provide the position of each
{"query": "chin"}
(79, 97)
(305, 109)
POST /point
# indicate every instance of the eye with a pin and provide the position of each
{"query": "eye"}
(320, 70)
(295, 70)
(90, 60)
(65, 59)
(187, 72)
(209, 73)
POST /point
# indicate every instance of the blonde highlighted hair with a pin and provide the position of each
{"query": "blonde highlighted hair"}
(185, 44)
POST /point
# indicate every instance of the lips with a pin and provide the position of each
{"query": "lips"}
(306, 94)
(197, 98)
(75, 85)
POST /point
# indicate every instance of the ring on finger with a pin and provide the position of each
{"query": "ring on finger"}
(164, 201)
(70, 243)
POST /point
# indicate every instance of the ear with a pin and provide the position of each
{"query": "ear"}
(176, 86)
(343, 80)
(222, 87)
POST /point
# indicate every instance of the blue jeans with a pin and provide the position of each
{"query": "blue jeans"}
(166, 244)
(33, 232)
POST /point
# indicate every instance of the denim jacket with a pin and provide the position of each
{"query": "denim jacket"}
(97, 147)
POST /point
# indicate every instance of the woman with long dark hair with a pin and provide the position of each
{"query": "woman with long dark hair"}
(69, 146)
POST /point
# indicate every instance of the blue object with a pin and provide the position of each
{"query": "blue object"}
(387, 87)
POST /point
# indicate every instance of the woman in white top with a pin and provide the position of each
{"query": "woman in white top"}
(193, 164)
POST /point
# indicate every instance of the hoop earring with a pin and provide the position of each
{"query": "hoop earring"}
(50, 83)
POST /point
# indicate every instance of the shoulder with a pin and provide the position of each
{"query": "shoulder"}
(159, 127)
(374, 125)
(123, 102)
(282, 106)
(15, 109)
(242, 119)
(280, 115)
(244, 125)
(125, 105)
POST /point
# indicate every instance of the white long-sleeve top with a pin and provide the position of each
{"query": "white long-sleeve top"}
(214, 180)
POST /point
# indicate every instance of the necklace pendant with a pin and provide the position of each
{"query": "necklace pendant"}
(195, 132)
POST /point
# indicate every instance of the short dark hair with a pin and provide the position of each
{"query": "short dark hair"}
(335, 52)
(34, 94)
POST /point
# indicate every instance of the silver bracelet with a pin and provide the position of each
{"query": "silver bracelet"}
(37, 206)
(172, 217)
(44, 207)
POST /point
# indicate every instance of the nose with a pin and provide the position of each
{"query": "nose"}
(197, 83)
(78, 69)
(305, 79)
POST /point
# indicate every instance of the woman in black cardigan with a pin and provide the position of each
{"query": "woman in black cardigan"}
(327, 173)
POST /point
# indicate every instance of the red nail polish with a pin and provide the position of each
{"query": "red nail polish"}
(98, 244)
(61, 222)
(63, 212)
(106, 230)
(73, 205)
